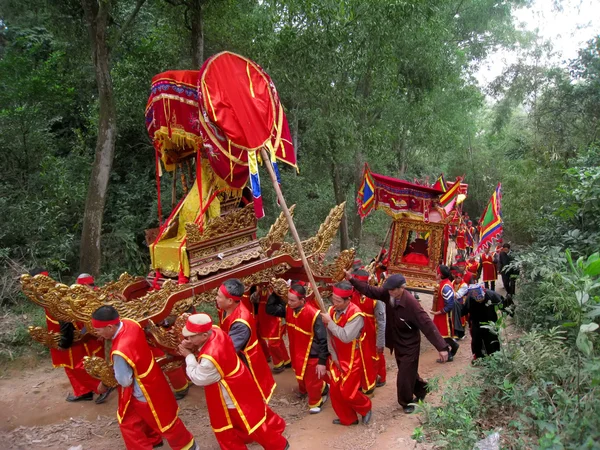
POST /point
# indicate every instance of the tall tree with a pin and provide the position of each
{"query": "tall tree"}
(97, 15)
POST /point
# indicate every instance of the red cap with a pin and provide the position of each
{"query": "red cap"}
(85, 279)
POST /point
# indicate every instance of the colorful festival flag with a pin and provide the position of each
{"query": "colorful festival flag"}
(491, 225)
(451, 193)
(440, 184)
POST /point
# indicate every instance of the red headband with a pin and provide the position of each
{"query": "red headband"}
(104, 323)
(343, 292)
(45, 273)
(361, 277)
(223, 291)
(85, 280)
(198, 327)
(296, 293)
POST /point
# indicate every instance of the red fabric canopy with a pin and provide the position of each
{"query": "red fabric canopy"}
(240, 112)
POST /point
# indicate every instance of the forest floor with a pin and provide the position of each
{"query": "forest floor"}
(34, 414)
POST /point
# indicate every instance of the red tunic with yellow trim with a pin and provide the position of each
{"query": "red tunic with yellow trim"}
(269, 327)
(301, 335)
(488, 268)
(257, 362)
(237, 380)
(443, 321)
(348, 353)
(369, 347)
(460, 240)
(131, 345)
(473, 268)
(69, 358)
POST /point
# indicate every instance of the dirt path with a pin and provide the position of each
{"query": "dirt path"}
(34, 415)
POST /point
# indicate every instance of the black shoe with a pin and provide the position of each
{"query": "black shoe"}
(158, 444)
(287, 445)
(379, 384)
(181, 394)
(409, 409)
(288, 366)
(278, 369)
(82, 398)
(104, 396)
(337, 422)
(450, 357)
(369, 392)
(366, 418)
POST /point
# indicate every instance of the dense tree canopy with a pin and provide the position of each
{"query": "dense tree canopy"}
(388, 83)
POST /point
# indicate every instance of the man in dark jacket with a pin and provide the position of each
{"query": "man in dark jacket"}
(480, 306)
(509, 275)
(405, 320)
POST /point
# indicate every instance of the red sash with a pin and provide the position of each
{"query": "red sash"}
(131, 345)
(348, 353)
(72, 356)
(257, 363)
(301, 335)
(369, 347)
(269, 327)
(443, 322)
(488, 268)
(238, 382)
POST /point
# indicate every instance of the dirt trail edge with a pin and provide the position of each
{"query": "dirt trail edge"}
(34, 414)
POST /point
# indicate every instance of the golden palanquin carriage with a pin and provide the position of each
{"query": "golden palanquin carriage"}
(210, 234)
(418, 242)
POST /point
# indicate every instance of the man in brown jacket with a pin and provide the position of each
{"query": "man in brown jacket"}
(406, 319)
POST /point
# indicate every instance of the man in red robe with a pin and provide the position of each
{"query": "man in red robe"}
(271, 330)
(488, 268)
(147, 410)
(374, 374)
(239, 323)
(236, 408)
(308, 344)
(345, 322)
(460, 240)
(444, 307)
(472, 268)
(70, 355)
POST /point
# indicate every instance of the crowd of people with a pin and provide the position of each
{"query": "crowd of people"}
(336, 356)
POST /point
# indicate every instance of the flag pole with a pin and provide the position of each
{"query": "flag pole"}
(290, 221)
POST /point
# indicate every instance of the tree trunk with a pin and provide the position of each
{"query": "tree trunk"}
(340, 197)
(401, 151)
(96, 16)
(197, 26)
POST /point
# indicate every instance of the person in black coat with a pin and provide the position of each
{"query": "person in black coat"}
(480, 305)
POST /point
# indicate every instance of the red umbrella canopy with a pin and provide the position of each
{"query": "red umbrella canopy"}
(240, 113)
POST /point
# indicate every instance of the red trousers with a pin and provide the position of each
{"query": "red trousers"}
(236, 438)
(346, 397)
(178, 379)
(312, 385)
(82, 382)
(276, 349)
(140, 430)
(381, 369)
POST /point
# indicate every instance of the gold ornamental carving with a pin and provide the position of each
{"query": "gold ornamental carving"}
(265, 275)
(100, 369)
(321, 241)
(277, 231)
(227, 263)
(220, 226)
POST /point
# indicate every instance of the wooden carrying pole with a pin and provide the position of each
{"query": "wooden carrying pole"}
(288, 216)
(383, 244)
